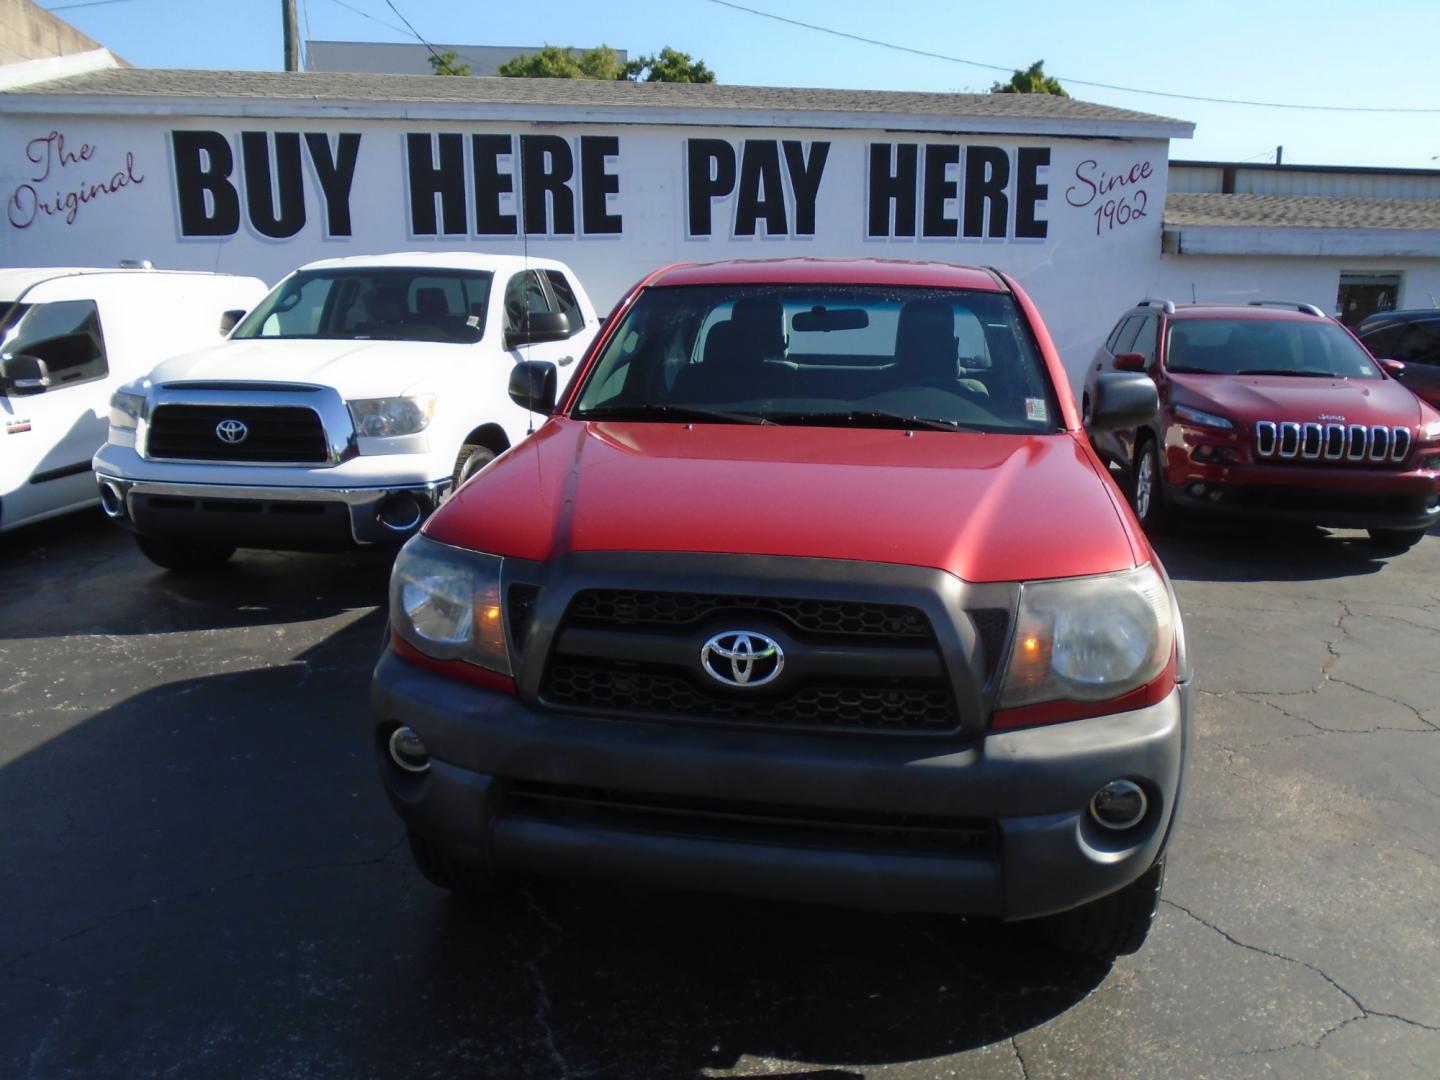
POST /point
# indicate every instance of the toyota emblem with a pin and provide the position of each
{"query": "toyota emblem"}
(231, 431)
(742, 658)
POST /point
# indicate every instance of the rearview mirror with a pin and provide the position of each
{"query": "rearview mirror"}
(24, 374)
(1394, 368)
(532, 385)
(822, 319)
(538, 328)
(1122, 401)
(1130, 361)
(229, 319)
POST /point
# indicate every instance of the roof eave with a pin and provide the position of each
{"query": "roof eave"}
(307, 108)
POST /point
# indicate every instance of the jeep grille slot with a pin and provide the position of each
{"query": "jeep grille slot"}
(1290, 440)
(274, 434)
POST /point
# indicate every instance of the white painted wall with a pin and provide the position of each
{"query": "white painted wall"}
(1088, 267)
(1312, 280)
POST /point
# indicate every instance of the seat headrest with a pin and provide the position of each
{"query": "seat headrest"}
(759, 323)
(431, 303)
(926, 333)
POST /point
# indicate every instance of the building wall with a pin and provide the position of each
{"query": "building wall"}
(1297, 180)
(1240, 279)
(94, 190)
(29, 32)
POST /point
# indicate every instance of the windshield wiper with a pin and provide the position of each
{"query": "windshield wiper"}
(864, 418)
(1181, 369)
(1290, 371)
(675, 413)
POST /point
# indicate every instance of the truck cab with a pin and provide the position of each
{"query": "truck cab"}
(68, 338)
(341, 410)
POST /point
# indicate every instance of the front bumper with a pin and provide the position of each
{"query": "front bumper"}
(844, 820)
(275, 518)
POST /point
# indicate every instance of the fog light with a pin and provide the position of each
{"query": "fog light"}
(1197, 490)
(400, 513)
(407, 751)
(111, 501)
(1119, 805)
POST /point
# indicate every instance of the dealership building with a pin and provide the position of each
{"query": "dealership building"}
(258, 172)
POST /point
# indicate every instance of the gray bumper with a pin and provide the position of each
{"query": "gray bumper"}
(281, 518)
(1029, 788)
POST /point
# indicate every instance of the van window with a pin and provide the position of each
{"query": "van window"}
(66, 335)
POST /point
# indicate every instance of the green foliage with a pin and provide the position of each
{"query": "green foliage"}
(1032, 80)
(670, 66)
(558, 62)
(447, 63)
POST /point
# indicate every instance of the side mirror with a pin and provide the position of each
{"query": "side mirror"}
(533, 384)
(1394, 368)
(228, 319)
(24, 374)
(1130, 361)
(538, 328)
(1122, 401)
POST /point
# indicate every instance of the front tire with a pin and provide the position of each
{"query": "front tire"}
(182, 557)
(1114, 925)
(1395, 541)
(1147, 492)
(472, 458)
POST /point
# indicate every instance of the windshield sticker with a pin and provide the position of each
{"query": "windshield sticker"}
(1035, 410)
(472, 320)
(17, 427)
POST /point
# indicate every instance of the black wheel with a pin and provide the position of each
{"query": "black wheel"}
(1147, 490)
(452, 874)
(1114, 925)
(181, 555)
(472, 458)
(1395, 541)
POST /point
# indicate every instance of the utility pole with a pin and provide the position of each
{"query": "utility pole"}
(292, 35)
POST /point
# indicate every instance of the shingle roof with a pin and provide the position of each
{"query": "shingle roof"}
(1208, 210)
(351, 87)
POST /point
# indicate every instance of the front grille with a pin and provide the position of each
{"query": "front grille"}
(993, 626)
(635, 690)
(748, 822)
(273, 434)
(840, 618)
(1333, 443)
(520, 605)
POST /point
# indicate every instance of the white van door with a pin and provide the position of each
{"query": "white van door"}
(49, 437)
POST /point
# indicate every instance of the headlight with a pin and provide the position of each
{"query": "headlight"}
(1202, 418)
(1430, 430)
(445, 601)
(383, 416)
(125, 410)
(1089, 639)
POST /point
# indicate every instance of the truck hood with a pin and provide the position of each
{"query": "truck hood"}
(983, 507)
(358, 369)
(1249, 398)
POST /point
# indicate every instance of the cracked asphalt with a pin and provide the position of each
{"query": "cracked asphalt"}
(199, 875)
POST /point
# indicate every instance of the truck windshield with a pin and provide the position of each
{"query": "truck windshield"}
(830, 355)
(1313, 347)
(388, 304)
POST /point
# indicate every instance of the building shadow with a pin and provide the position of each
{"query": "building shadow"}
(206, 873)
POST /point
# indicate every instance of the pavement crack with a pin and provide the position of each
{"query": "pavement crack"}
(1365, 1012)
(1019, 1057)
(537, 977)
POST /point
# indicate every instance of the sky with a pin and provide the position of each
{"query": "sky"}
(1320, 53)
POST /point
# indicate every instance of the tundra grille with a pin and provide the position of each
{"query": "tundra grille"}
(274, 434)
(1291, 440)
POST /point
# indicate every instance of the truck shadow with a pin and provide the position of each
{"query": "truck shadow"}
(1246, 551)
(211, 858)
(96, 581)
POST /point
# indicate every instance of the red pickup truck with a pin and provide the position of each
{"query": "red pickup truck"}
(811, 586)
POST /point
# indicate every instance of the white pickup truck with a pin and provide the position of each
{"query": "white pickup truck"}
(68, 337)
(341, 410)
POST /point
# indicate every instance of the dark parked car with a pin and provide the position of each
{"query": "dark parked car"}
(1412, 339)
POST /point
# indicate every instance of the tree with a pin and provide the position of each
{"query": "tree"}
(447, 63)
(1032, 80)
(670, 66)
(558, 62)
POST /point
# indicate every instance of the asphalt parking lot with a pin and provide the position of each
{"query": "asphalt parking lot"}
(199, 875)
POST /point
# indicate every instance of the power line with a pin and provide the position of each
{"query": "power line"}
(89, 3)
(392, 7)
(366, 15)
(1063, 78)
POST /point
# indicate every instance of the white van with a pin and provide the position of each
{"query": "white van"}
(68, 338)
(342, 409)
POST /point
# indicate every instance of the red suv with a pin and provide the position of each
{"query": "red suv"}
(811, 586)
(1270, 410)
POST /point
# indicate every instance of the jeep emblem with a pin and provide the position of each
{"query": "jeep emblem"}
(742, 658)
